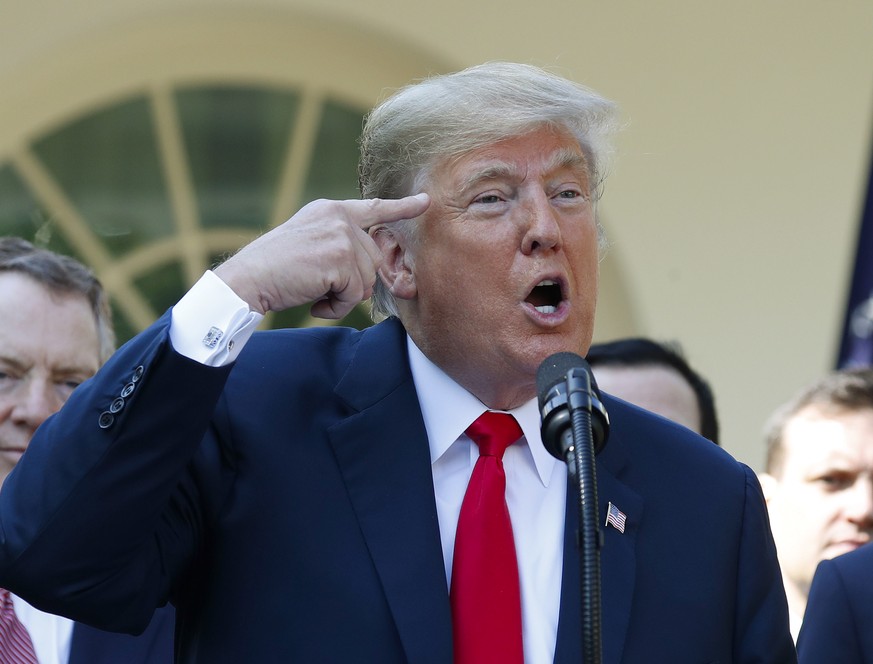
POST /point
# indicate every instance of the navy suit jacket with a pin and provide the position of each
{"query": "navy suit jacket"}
(838, 623)
(154, 646)
(285, 504)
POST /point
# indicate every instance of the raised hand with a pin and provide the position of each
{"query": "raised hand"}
(322, 255)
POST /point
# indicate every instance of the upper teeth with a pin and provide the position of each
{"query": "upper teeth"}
(547, 308)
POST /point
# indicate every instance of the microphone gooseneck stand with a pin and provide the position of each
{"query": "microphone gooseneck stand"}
(589, 540)
(575, 426)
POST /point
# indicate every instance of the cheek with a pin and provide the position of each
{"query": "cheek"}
(581, 239)
(7, 403)
(813, 512)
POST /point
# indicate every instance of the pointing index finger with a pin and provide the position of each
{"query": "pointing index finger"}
(373, 211)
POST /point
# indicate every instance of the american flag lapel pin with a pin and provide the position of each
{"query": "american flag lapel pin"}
(615, 517)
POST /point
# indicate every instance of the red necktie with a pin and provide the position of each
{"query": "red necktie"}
(485, 596)
(15, 644)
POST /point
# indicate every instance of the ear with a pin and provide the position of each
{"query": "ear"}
(769, 485)
(396, 271)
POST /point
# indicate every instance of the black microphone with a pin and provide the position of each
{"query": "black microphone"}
(574, 428)
(564, 384)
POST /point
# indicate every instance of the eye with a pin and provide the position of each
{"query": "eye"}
(488, 199)
(571, 192)
(835, 481)
(8, 381)
(64, 386)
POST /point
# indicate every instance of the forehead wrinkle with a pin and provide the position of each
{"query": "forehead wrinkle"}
(566, 158)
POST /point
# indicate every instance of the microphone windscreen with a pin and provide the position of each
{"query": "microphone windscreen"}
(554, 369)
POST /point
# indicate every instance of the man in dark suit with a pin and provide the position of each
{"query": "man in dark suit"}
(818, 479)
(838, 623)
(298, 499)
(56, 332)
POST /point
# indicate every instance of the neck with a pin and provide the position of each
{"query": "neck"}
(498, 397)
(796, 597)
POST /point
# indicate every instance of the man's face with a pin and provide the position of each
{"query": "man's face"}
(657, 388)
(821, 504)
(48, 345)
(506, 272)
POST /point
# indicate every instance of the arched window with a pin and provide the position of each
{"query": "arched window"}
(152, 191)
(155, 172)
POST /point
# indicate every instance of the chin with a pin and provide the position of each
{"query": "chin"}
(558, 343)
(841, 548)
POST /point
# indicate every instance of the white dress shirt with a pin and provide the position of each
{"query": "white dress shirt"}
(51, 635)
(536, 495)
(536, 482)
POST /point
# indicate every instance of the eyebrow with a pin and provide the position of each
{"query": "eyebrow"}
(563, 159)
(569, 159)
(13, 362)
(498, 171)
(71, 370)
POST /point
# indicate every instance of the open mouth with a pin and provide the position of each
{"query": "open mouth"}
(546, 296)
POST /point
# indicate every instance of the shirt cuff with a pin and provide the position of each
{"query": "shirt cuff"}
(211, 323)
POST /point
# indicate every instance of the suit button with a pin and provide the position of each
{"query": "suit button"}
(137, 374)
(128, 390)
(106, 419)
(117, 405)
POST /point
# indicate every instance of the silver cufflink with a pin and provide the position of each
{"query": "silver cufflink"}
(212, 337)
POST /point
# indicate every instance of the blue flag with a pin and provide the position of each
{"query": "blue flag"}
(856, 348)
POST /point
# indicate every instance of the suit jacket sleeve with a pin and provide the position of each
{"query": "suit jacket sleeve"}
(762, 620)
(154, 646)
(830, 630)
(138, 425)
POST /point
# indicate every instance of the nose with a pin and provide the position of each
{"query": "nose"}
(860, 502)
(542, 230)
(36, 399)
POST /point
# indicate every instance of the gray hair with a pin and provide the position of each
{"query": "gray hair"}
(835, 394)
(64, 276)
(444, 117)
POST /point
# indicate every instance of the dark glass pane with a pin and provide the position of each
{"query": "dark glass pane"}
(236, 139)
(50, 237)
(20, 214)
(290, 317)
(358, 318)
(108, 165)
(333, 170)
(124, 331)
(163, 286)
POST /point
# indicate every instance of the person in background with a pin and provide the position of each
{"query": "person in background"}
(56, 331)
(656, 376)
(838, 622)
(321, 494)
(818, 477)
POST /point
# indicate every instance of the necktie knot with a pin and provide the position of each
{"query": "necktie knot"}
(494, 432)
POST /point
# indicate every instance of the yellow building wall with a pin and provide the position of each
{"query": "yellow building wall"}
(733, 204)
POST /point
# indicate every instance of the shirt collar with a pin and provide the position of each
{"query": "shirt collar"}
(448, 409)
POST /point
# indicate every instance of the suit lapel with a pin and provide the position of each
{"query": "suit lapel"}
(617, 563)
(384, 458)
